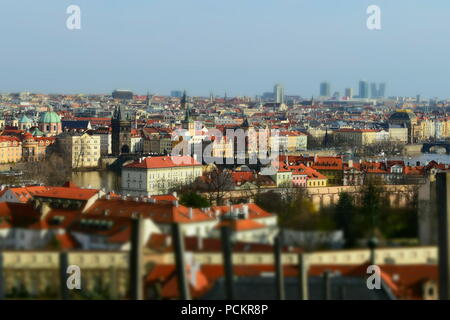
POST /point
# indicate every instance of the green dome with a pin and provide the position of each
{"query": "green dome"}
(36, 132)
(25, 119)
(49, 117)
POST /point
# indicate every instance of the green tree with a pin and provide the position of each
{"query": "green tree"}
(294, 209)
(345, 218)
(194, 200)
(370, 210)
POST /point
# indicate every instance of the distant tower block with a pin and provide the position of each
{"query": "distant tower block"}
(278, 93)
(325, 89)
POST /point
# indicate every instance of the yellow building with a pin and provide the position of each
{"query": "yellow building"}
(408, 119)
(82, 149)
(158, 175)
(296, 141)
(10, 149)
(222, 148)
(357, 137)
(398, 133)
(34, 148)
(158, 144)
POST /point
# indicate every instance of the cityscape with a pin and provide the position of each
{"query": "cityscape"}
(77, 169)
(132, 174)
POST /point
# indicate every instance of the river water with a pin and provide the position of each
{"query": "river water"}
(109, 180)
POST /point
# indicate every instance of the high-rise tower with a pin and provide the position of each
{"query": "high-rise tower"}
(278, 93)
(325, 89)
(364, 89)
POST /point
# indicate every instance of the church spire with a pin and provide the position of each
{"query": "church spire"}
(186, 107)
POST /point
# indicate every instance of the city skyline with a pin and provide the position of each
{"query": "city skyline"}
(163, 46)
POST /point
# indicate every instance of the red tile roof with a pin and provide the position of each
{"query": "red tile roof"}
(328, 163)
(241, 224)
(74, 193)
(164, 162)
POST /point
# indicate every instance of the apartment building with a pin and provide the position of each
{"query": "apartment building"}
(10, 149)
(157, 175)
(82, 149)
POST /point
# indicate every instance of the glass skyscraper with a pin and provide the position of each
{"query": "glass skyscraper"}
(325, 89)
(364, 89)
(278, 93)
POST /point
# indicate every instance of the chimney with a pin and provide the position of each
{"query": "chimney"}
(175, 203)
(191, 213)
(217, 213)
(175, 194)
(108, 197)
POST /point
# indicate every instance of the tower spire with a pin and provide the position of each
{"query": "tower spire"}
(186, 107)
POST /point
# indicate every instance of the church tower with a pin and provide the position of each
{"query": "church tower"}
(188, 123)
(121, 131)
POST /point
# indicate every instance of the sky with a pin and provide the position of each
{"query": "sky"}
(238, 47)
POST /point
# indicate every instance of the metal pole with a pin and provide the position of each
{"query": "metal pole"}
(113, 283)
(302, 277)
(443, 206)
(225, 232)
(63, 265)
(136, 260)
(279, 266)
(178, 242)
(327, 285)
(2, 277)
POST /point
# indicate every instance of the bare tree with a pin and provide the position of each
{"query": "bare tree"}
(53, 170)
(216, 184)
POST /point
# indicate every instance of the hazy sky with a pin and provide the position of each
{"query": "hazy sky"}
(242, 47)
